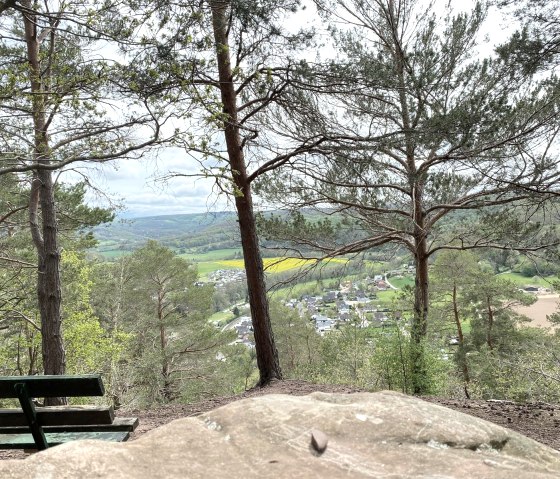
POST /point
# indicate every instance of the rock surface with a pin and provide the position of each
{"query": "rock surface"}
(380, 435)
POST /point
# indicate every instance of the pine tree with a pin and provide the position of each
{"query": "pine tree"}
(436, 147)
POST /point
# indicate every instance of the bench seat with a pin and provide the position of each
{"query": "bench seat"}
(26, 441)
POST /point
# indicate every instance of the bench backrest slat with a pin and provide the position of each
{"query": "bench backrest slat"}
(59, 416)
(119, 424)
(53, 386)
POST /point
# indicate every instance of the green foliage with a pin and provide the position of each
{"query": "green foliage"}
(391, 360)
(344, 357)
(534, 46)
(89, 347)
(500, 356)
(174, 351)
(296, 340)
(76, 217)
(493, 319)
(530, 268)
(527, 371)
(296, 225)
(378, 358)
(19, 315)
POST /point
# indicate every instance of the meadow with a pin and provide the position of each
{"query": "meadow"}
(214, 255)
(523, 281)
(401, 281)
(222, 259)
(280, 265)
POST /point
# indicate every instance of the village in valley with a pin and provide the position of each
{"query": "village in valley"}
(353, 301)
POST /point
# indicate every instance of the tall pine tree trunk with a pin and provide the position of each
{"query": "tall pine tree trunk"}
(420, 317)
(48, 279)
(267, 355)
(490, 325)
(167, 389)
(462, 353)
(43, 224)
(420, 251)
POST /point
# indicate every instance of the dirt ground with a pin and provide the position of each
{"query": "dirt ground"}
(545, 305)
(539, 421)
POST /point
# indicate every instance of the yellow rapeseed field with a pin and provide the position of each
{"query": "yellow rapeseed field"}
(279, 265)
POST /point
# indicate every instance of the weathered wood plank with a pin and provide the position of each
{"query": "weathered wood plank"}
(25, 441)
(53, 386)
(118, 425)
(59, 416)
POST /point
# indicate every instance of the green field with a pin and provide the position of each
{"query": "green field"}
(221, 317)
(385, 298)
(213, 261)
(214, 255)
(207, 267)
(401, 282)
(110, 250)
(307, 287)
(513, 277)
(524, 281)
(279, 265)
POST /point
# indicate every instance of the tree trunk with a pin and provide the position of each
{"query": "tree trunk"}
(49, 286)
(167, 391)
(420, 251)
(44, 230)
(462, 355)
(490, 329)
(420, 318)
(267, 355)
(421, 286)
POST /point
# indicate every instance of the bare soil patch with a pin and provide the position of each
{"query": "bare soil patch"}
(545, 305)
(539, 421)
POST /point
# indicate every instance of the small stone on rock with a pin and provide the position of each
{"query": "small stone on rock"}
(319, 440)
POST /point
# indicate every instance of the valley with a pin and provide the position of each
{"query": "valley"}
(211, 242)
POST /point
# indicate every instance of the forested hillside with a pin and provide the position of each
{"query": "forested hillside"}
(197, 233)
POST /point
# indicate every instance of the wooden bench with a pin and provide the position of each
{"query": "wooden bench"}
(41, 427)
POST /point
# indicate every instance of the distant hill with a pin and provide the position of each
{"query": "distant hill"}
(194, 234)
(188, 232)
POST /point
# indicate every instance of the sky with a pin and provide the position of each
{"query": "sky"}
(137, 186)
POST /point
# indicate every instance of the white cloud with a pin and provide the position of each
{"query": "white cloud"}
(137, 185)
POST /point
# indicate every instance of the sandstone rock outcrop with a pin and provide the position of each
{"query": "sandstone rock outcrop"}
(379, 435)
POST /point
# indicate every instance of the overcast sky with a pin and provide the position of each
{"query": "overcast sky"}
(136, 185)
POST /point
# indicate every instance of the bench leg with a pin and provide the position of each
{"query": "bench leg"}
(29, 410)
